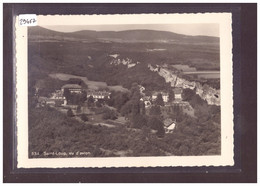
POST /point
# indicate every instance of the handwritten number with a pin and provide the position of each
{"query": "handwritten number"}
(27, 21)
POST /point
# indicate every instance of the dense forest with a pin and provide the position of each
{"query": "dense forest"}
(52, 131)
(92, 59)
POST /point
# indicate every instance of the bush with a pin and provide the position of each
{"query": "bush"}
(78, 109)
(157, 125)
(159, 100)
(98, 104)
(138, 121)
(109, 114)
(70, 113)
(155, 110)
(84, 117)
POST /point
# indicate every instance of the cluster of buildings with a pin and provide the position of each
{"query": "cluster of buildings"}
(98, 94)
(58, 98)
(128, 62)
(165, 96)
(169, 124)
(211, 95)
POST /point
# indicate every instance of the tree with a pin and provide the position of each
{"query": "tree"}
(90, 101)
(178, 113)
(142, 107)
(83, 96)
(126, 109)
(109, 114)
(70, 113)
(84, 117)
(157, 125)
(159, 100)
(171, 95)
(111, 101)
(138, 121)
(78, 109)
(78, 82)
(155, 110)
(75, 99)
(99, 103)
(67, 94)
(135, 107)
(134, 89)
(120, 99)
(106, 99)
(188, 94)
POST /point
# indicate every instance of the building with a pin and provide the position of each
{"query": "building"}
(146, 100)
(170, 128)
(177, 94)
(141, 89)
(165, 96)
(98, 94)
(58, 94)
(43, 101)
(58, 98)
(50, 102)
(169, 125)
(73, 88)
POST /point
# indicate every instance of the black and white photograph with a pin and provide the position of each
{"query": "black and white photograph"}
(133, 90)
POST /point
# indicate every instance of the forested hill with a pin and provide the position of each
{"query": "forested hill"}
(102, 56)
(120, 36)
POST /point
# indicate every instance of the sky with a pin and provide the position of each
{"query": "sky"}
(186, 29)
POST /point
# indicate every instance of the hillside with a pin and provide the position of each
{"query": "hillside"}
(121, 124)
(121, 36)
(85, 53)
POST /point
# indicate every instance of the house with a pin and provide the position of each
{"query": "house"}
(177, 94)
(146, 100)
(169, 125)
(50, 102)
(98, 94)
(167, 122)
(154, 96)
(58, 97)
(58, 94)
(141, 89)
(165, 96)
(170, 128)
(43, 101)
(73, 88)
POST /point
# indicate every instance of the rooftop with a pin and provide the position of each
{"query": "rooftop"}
(71, 86)
(163, 93)
(167, 122)
(177, 91)
(98, 93)
(146, 98)
(171, 127)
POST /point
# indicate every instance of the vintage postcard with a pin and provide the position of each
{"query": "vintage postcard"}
(136, 90)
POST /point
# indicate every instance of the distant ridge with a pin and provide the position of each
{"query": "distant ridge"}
(128, 35)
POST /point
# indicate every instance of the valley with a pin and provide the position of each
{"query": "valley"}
(127, 93)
